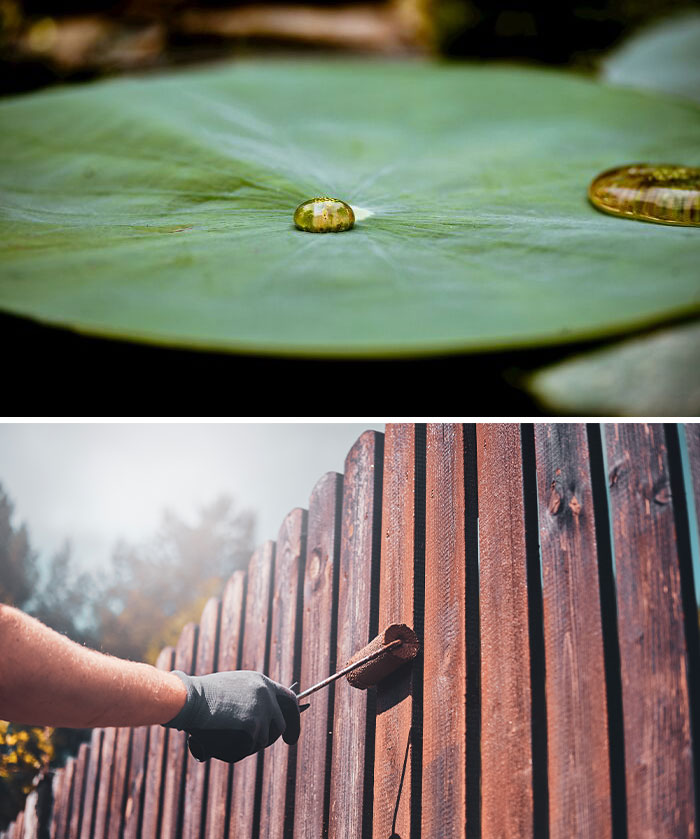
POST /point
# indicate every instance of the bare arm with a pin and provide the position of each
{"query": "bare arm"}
(46, 679)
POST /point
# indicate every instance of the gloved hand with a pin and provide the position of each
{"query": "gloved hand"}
(234, 714)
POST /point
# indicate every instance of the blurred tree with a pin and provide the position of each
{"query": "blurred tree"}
(18, 562)
(155, 588)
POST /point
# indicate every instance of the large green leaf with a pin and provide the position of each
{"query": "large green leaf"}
(652, 375)
(161, 209)
(663, 57)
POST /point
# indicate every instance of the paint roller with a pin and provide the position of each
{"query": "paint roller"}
(393, 647)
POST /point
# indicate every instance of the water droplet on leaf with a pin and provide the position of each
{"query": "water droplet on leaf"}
(324, 215)
(664, 193)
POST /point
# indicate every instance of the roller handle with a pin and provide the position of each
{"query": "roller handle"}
(349, 668)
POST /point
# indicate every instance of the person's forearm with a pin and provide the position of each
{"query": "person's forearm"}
(46, 679)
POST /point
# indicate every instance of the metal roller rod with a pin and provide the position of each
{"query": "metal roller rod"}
(349, 668)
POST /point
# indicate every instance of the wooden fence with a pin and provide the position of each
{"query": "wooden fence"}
(548, 571)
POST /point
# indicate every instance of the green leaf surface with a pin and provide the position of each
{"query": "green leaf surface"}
(663, 57)
(160, 209)
(654, 375)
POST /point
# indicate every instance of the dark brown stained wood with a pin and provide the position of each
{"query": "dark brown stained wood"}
(658, 759)
(577, 723)
(318, 659)
(177, 753)
(692, 437)
(68, 796)
(394, 695)
(444, 804)
(197, 774)
(93, 772)
(353, 726)
(119, 779)
(276, 817)
(105, 787)
(136, 782)
(253, 657)
(229, 650)
(157, 751)
(79, 790)
(506, 737)
(58, 813)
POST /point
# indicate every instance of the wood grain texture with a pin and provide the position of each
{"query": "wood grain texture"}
(506, 745)
(117, 803)
(196, 773)
(577, 721)
(136, 782)
(67, 805)
(228, 656)
(79, 790)
(692, 438)
(91, 784)
(318, 659)
(392, 758)
(104, 791)
(61, 791)
(445, 668)
(157, 750)
(658, 758)
(253, 657)
(353, 717)
(277, 807)
(177, 753)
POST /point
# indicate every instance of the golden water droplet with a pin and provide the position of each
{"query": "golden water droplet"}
(324, 215)
(664, 193)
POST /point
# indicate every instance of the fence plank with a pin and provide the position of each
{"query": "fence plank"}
(245, 789)
(156, 763)
(229, 652)
(91, 784)
(692, 437)
(136, 782)
(177, 752)
(277, 807)
(445, 677)
(353, 717)
(506, 747)
(318, 659)
(60, 790)
(577, 722)
(392, 760)
(197, 774)
(105, 786)
(119, 779)
(658, 759)
(79, 789)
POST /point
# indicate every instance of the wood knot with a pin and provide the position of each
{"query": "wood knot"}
(554, 500)
(662, 496)
(574, 505)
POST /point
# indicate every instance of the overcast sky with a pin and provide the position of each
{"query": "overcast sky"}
(96, 483)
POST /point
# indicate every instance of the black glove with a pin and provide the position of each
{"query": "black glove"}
(234, 714)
